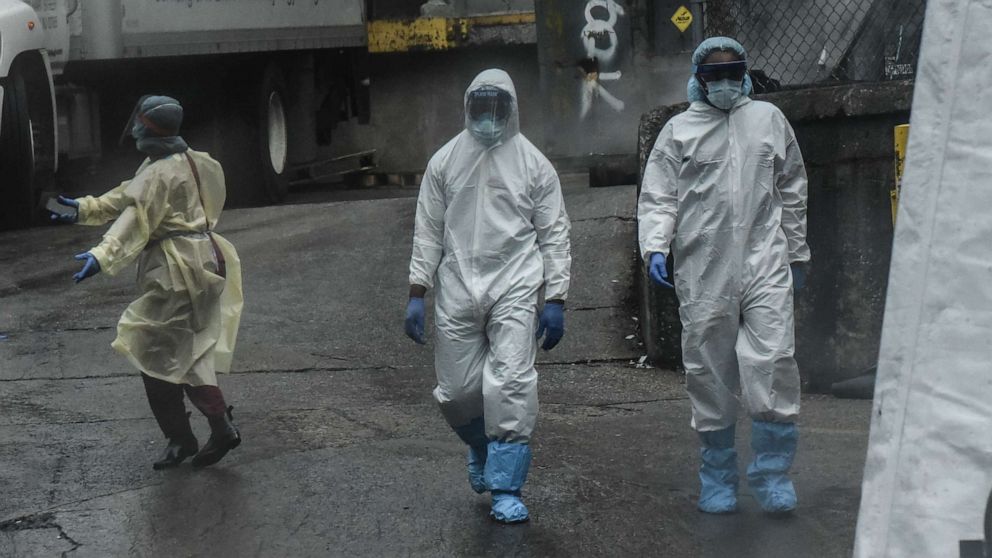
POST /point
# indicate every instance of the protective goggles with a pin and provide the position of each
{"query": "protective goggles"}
(489, 101)
(733, 71)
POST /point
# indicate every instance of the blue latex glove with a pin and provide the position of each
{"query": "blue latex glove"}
(70, 217)
(552, 322)
(415, 320)
(658, 271)
(798, 276)
(90, 268)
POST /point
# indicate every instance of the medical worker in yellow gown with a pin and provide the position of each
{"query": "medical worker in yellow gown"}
(181, 331)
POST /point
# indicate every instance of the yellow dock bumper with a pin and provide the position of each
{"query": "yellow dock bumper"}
(439, 33)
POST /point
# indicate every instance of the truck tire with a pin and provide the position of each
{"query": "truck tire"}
(253, 148)
(274, 134)
(16, 156)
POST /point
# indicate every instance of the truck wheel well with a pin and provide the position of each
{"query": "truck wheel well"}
(31, 67)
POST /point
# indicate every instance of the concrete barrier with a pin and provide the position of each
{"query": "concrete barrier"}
(845, 133)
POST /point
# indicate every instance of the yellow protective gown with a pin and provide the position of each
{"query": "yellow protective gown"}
(183, 327)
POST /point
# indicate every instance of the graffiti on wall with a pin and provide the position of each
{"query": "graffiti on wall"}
(599, 37)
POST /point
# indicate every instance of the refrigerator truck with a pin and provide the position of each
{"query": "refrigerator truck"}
(264, 83)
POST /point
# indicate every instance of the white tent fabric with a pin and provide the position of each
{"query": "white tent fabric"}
(929, 467)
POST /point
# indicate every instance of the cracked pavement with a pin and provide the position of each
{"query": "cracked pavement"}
(345, 452)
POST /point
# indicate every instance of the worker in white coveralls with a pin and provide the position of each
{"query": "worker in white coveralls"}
(491, 233)
(182, 329)
(724, 193)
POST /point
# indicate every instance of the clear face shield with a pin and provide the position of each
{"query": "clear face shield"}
(128, 130)
(488, 111)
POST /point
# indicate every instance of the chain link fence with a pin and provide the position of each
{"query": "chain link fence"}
(799, 43)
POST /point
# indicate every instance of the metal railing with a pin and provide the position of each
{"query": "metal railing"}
(798, 43)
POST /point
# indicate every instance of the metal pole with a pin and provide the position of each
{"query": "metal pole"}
(697, 7)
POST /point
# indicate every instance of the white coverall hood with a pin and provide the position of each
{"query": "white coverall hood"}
(491, 231)
(500, 80)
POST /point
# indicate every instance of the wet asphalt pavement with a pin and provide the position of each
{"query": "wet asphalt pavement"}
(345, 452)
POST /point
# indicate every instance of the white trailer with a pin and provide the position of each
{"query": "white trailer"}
(264, 83)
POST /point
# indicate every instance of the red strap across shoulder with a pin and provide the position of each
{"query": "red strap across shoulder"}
(199, 190)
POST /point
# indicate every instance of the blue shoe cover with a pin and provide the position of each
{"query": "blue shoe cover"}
(774, 446)
(506, 472)
(474, 434)
(477, 468)
(508, 508)
(718, 476)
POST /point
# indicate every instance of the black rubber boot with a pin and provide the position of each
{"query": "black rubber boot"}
(224, 437)
(178, 449)
(166, 401)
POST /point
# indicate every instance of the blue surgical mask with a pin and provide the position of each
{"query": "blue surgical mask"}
(487, 130)
(725, 93)
(138, 131)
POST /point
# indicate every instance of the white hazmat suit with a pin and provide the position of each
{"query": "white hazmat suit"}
(491, 231)
(726, 191)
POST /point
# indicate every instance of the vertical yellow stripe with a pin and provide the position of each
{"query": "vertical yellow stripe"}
(901, 135)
